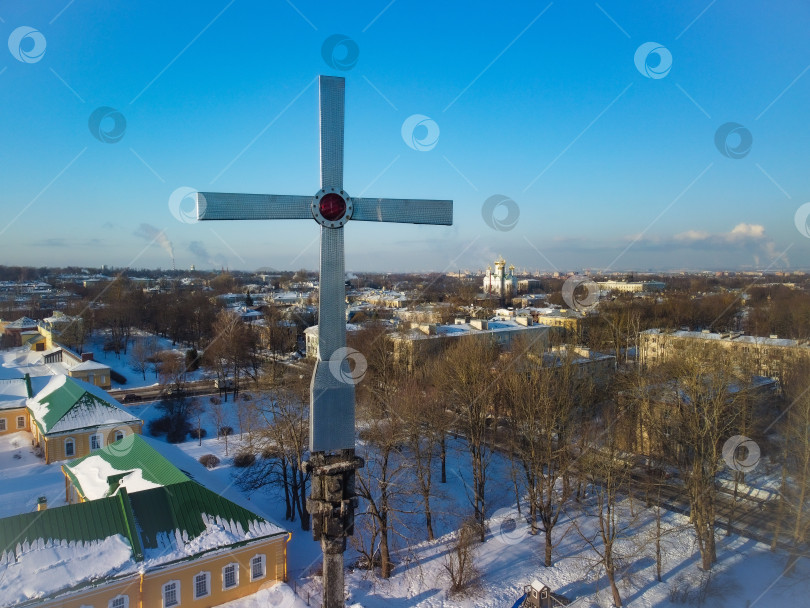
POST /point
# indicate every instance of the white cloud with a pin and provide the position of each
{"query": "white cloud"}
(740, 232)
(692, 235)
(755, 231)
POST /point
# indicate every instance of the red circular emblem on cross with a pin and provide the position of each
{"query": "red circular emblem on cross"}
(332, 207)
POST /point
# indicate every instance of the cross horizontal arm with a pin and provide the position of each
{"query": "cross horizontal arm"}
(220, 206)
(403, 211)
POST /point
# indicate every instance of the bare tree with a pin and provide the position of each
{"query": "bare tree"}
(703, 401)
(178, 410)
(143, 354)
(232, 355)
(460, 561)
(283, 441)
(171, 370)
(382, 482)
(608, 476)
(468, 383)
(219, 414)
(278, 333)
(796, 493)
(420, 408)
(248, 417)
(73, 334)
(542, 401)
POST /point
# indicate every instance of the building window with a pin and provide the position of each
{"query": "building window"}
(119, 435)
(202, 585)
(70, 447)
(121, 601)
(171, 594)
(2, 424)
(96, 442)
(230, 576)
(257, 567)
(20, 422)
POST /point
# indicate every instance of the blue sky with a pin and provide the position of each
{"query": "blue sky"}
(538, 102)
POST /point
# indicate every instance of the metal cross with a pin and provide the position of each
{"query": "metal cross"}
(331, 396)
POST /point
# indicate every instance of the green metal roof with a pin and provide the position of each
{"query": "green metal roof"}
(182, 507)
(146, 519)
(62, 394)
(59, 403)
(131, 453)
(87, 522)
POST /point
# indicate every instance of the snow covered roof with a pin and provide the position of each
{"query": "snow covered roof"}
(89, 366)
(494, 326)
(130, 461)
(188, 519)
(22, 323)
(117, 536)
(75, 544)
(67, 404)
(13, 393)
(313, 330)
(736, 338)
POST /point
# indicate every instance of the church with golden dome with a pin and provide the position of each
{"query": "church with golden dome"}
(500, 282)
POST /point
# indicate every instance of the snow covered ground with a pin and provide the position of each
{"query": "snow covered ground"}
(24, 477)
(747, 573)
(16, 362)
(121, 363)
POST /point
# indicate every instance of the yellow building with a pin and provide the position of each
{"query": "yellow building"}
(631, 286)
(570, 320)
(14, 416)
(429, 339)
(769, 356)
(81, 366)
(162, 547)
(69, 418)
